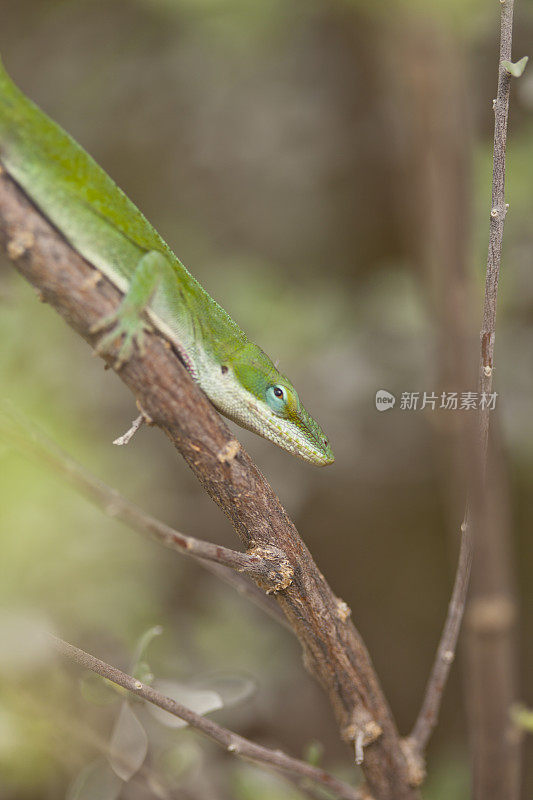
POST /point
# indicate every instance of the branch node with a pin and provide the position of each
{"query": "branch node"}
(448, 656)
(274, 572)
(372, 732)
(416, 767)
(146, 416)
(362, 731)
(19, 244)
(229, 452)
(498, 213)
(343, 610)
(94, 280)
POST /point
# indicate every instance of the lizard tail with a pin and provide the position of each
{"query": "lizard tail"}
(9, 103)
(5, 94)
(7, 88)
(4, 77)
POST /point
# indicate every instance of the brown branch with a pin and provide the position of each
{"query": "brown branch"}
(221, 561)
(490, 687)
(333, 649)
(428, 715)
(232, 742)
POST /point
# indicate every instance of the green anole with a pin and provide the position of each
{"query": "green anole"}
(108, 230)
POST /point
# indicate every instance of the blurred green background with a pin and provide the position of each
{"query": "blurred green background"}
(324, 170)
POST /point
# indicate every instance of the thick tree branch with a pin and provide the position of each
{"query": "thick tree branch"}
(476, 510)
(232, 742)
(333, 649)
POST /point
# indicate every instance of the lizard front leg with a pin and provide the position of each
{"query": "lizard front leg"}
(127, 321)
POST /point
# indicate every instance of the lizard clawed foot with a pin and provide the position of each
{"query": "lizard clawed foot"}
(127, 325)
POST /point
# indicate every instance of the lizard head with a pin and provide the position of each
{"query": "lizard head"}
(268, 404)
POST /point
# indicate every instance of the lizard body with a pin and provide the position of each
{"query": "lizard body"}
(106, 228)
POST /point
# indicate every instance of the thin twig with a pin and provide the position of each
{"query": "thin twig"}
(427, 718)
(120, 441)
(429, 712)
(232, 742)
(497, 215)
(266, 565)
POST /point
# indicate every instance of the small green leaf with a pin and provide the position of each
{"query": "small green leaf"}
(143, 673)
(140, 668)
(129, 744)
(95, 782)
(515, 68)
(522, 717)
(201, 701)
(231, 687)
(144, 641)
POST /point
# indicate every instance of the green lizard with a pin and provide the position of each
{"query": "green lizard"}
(107, 229)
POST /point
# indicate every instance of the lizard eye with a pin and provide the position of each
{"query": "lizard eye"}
(276, 398)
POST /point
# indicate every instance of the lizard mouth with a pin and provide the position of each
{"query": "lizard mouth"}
(296, 436)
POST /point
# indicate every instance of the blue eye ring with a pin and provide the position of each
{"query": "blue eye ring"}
(276, 397)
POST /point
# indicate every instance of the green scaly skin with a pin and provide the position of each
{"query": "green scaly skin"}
(107, 229)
